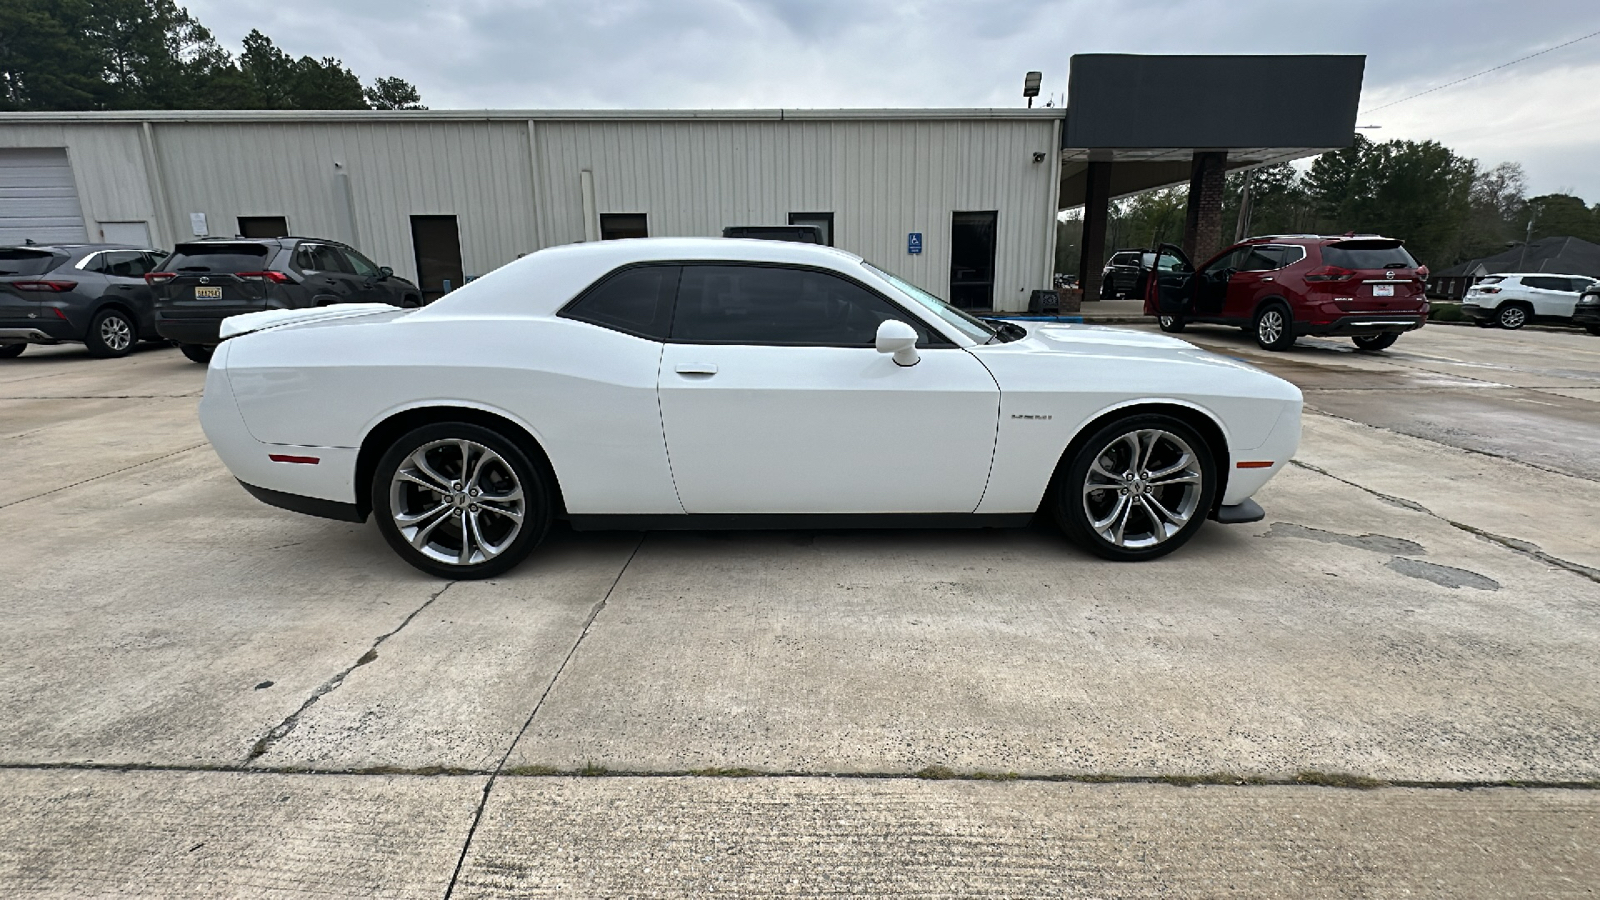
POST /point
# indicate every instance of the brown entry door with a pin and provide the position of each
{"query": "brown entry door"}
(437, 242)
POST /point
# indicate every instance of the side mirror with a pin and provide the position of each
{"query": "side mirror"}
(384, 272)
(900, 339)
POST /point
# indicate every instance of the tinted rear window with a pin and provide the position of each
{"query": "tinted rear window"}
(218, 258)
(636, 301)
(1367, 255)
(27, 262)
(1492, 279)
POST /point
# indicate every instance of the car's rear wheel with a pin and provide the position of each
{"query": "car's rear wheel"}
(1274, 327)
(196, 353)
(111, 334)
(1372, 343)
(1138, 488)
(458, 500)
(1172, 324)
(1593, 329)
(1512, 316)
(11, 351)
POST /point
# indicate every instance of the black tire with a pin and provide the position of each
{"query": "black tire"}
(1172, 324)
(196, 353)
(504, 467)
(1483, 323)
(1593, 329)
(112, 334)
(1107, 292)
(1274, 327)
(1073, 503)
(11, 351)
(1372, 343)
(1512, 316)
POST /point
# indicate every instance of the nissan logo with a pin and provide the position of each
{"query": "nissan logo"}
(204, 280)
(1386, 275)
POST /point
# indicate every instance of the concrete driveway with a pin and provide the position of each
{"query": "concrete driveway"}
(1388, 686)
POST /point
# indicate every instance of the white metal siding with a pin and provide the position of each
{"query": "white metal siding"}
(881, 179)
(513, 182)
(38, 200)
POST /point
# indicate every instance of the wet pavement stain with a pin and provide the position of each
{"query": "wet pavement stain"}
(1445, 576)
(1378, 543)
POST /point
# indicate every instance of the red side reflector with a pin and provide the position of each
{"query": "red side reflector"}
(286, 458)
(1258, 464)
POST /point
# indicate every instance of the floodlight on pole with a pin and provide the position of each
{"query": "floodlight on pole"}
(1030, 86)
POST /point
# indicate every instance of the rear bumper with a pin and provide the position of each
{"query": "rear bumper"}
(1237, 514)
(26, 336)
(1362, 324)
(311, 506)
(189, 330)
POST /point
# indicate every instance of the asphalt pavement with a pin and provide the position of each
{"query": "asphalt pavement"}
(1387, 687)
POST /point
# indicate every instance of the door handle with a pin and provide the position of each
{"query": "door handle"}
(696, 369)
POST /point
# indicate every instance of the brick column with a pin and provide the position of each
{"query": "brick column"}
(1202, 227)
(1096, 210)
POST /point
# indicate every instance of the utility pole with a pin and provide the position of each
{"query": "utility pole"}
(1241, 227)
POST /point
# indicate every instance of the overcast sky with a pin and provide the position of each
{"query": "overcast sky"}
(1543, 113)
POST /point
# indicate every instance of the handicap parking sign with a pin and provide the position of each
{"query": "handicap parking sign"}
(914, 242)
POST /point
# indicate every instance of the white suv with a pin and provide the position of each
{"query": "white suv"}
(1514, 300)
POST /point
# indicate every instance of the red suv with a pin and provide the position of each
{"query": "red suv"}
(1364, 287)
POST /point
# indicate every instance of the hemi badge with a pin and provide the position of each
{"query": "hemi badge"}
(1255, 465)
(286, 458)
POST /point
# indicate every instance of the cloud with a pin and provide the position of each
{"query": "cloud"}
(872, 53)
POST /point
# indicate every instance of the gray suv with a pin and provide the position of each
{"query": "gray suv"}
(94, 294)
(205, 281)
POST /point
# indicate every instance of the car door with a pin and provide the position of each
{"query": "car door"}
(369, 284)
(1254, 281)
(1172, 286)
(774, 400)
(1213, 280)
(328, 276)
(124, 273)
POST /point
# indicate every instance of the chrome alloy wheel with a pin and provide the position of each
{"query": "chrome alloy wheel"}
(1142, 489)
(116, 333)
(1166, 322)
(1513, 317)
(1270, 329)
(457, 502)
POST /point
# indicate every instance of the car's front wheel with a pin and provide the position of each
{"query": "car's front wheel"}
(111, 334)
(458, 500)
(1171, 324)
(1372, 343)
(1137, 489)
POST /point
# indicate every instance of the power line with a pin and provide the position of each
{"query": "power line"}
(1484, 72)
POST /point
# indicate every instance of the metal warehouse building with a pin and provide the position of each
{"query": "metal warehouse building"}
(961, 201)
(448, 195)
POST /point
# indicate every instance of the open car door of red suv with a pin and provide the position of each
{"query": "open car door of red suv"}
(1169, 289)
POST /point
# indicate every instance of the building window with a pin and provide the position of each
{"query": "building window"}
(616, 226)
(823, 221)
(263, 226)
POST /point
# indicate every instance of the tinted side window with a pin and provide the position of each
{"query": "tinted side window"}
(733, 304)
(1261, 259)
(1229, 260)
(636, 301)
(360, 264)
(1545, 283)
(125, 263)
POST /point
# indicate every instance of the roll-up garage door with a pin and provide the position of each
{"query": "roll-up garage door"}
(38, 200)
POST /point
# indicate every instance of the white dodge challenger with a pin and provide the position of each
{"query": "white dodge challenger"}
(713, 383)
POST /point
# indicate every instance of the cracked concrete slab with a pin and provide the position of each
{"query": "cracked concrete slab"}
(214, 834)
(156, 601)
(455, 686)
(69, 371)
(805, 837)
(1011, 651)
(1559, 514)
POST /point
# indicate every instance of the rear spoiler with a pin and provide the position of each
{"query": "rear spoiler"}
(233, 326)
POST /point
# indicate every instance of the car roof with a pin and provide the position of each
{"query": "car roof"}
(76, 248)
(1315, 238)
(542, 282)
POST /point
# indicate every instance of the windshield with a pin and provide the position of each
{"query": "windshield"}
(973, 328)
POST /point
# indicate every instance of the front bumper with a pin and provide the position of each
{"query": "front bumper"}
(1477, 313)
(1363, 324)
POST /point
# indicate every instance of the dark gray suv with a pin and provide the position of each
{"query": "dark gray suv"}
(205, 281)
(94, 294)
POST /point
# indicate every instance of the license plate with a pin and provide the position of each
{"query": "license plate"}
(215, 293)
(1378, 290)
